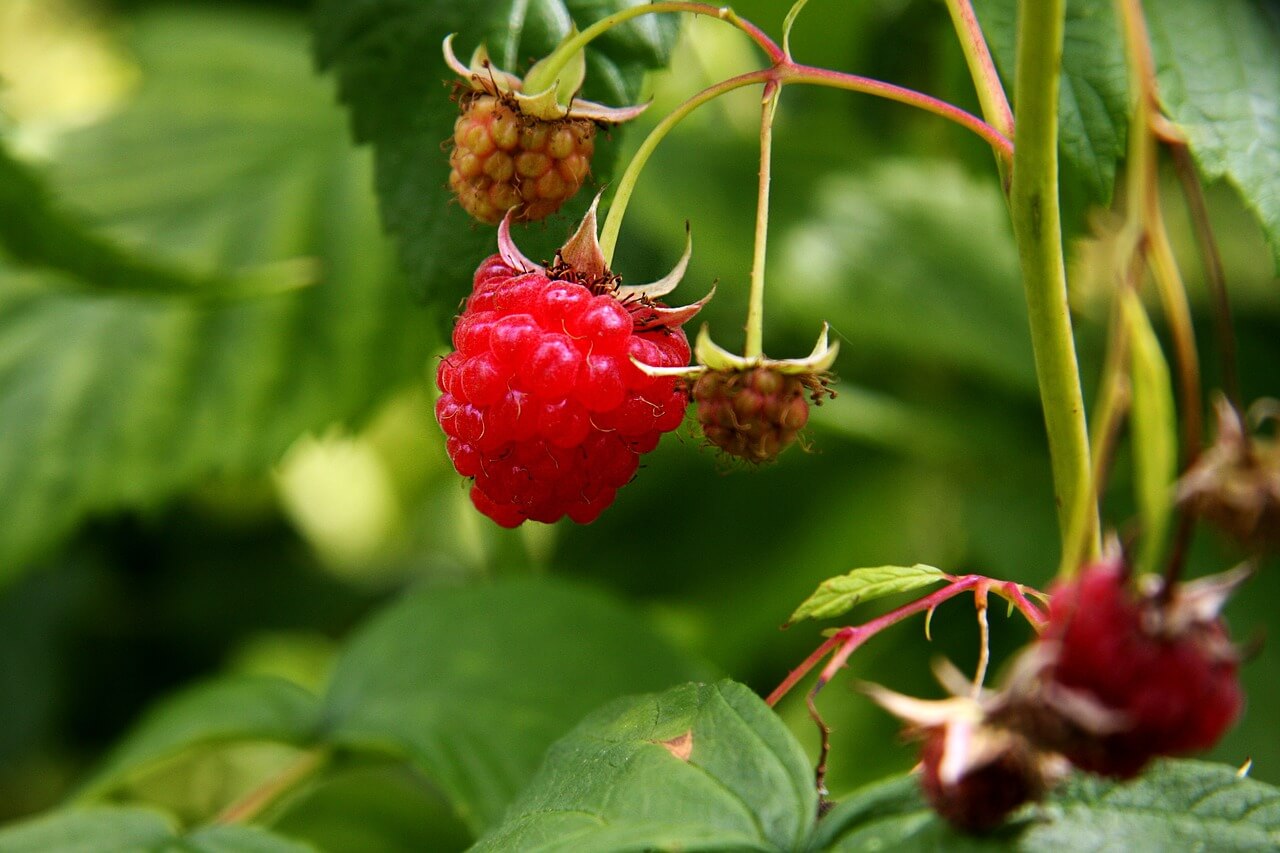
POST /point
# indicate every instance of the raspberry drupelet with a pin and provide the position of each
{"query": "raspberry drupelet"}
(541, 401)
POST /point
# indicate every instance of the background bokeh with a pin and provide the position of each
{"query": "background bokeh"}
(202, 131)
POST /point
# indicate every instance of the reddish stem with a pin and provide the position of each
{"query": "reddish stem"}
(847, 640)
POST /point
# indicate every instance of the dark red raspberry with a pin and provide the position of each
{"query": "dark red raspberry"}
(1163, 671)
(984, 793)
(540, 400)
(503, 159)
(753, 414)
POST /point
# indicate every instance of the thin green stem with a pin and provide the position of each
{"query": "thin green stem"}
(755, 305)
(995, 104)
(555, 63)
(982, 68)
(1034, 208)
(627, 183)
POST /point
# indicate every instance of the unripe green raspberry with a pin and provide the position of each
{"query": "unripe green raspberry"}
(504, 159)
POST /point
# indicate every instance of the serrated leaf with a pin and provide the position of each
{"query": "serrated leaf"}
(1093, 101)
(737, 780)
(386, 56)
(231, 156)
(1155, 430)
(1183, 805)
(1220, 82)
(472, 685)
(841, 594)
(134, 830)
(229, 709)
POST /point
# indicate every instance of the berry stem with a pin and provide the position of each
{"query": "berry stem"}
(1034, 209)
(755, 304)
(995, 104)
(560, 57)
(627, 183)
(1213, 271)
(1146, 219)
(846, 640)
(791, 72)
(783, 72)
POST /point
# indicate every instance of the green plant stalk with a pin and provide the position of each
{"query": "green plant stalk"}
(1037, 228)
(754, 347)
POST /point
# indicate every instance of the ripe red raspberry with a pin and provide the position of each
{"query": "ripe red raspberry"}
(755, 413)
(1163, 671)
(503, 159)
(541, 400)
(977, 796)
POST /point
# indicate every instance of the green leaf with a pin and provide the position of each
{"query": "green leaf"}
(1093, 101)
(472, 685)
(36, 231)
(700, 767)
(231, 156)
(1155, 431)
(1183, 805)
(230, 709)
(386, 55)
(858, 252)
(133, 830)
(841, 594)
(1220, 82)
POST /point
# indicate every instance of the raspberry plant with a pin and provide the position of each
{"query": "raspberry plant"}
(225, 461)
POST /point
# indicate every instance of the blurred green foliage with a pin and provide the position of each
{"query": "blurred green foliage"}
(192, 492)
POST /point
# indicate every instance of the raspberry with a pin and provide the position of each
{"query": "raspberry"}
(1163, 671)
(523, 145)
(540, 401)
(504, 159)
(983, 794)
(753, 414)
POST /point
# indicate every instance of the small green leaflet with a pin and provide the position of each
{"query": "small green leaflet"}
(1154, 433)
(841, 594)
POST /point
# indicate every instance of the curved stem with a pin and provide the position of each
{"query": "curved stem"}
(555, 63)
(797, 73)
(627, 183)
(1034, 208)
(995, 104)
(755, 305)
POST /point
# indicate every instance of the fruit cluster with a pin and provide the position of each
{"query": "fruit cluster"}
(1118, 677)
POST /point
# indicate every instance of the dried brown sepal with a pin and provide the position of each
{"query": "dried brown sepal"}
(1235, 485)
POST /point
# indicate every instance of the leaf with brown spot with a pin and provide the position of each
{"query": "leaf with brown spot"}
(680, 746)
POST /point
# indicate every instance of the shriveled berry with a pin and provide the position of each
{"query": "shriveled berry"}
(503, 159)
(984, 794)
(753, 414)
(541, 402)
